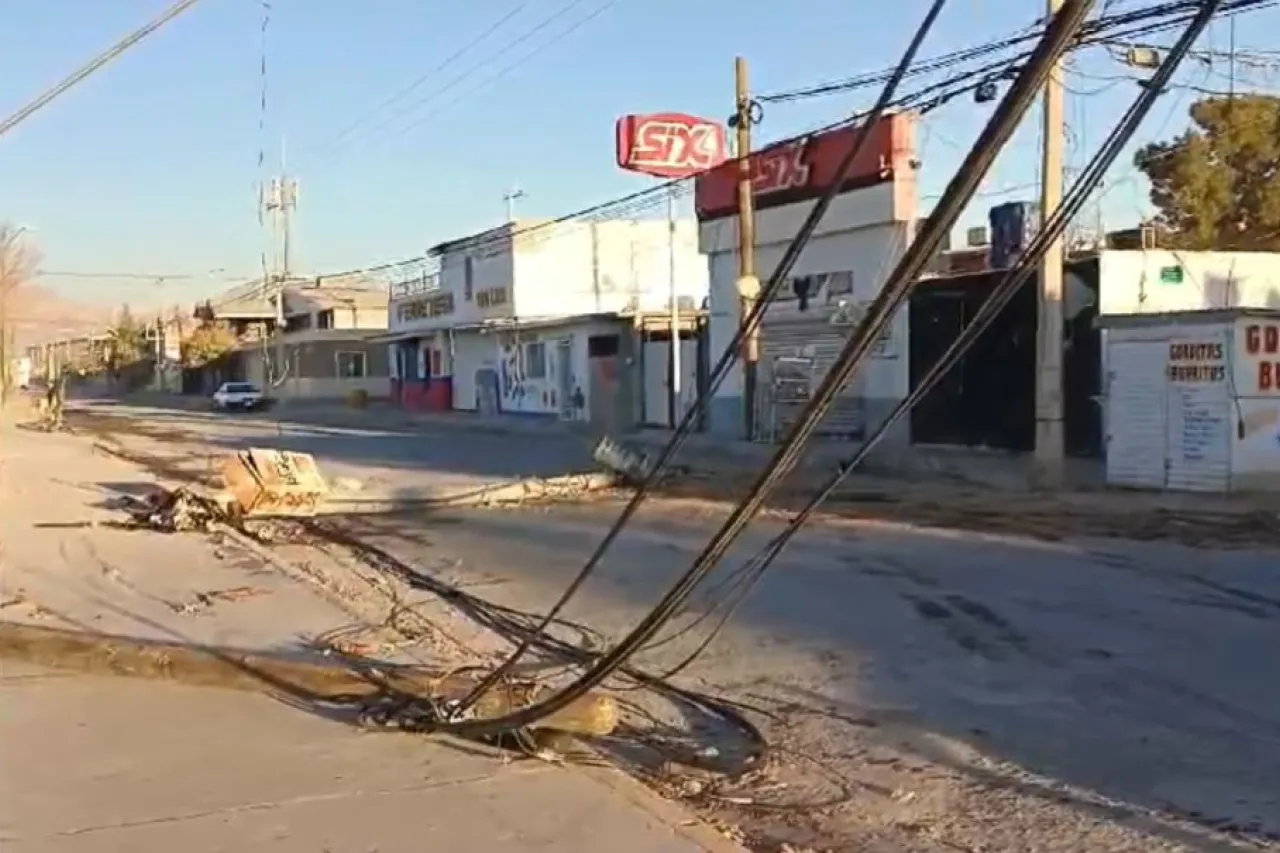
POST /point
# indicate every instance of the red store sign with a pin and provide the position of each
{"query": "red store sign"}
(799, 170)
(1262, 346)
(669, 145)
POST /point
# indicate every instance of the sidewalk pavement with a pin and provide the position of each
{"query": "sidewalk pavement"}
(92, 765)
(97, 765)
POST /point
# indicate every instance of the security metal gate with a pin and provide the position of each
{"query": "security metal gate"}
(784, 344)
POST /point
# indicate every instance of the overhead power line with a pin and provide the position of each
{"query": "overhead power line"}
(1113, 29)
(418, 81)
(216, 275)
(94, 64)
(1105, 29)
(378, 130)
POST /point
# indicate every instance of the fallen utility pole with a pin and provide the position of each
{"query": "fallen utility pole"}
(346, 680)
(95, 64)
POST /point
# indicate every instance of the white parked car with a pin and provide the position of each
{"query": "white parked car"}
(237, 395)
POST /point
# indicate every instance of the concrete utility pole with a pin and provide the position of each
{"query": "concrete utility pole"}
(1049, 433)
(748, 284)
(279, 201)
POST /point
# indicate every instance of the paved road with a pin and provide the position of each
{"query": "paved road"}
(387, 460)
(994, 694)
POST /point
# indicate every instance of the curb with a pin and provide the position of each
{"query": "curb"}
(670, 813)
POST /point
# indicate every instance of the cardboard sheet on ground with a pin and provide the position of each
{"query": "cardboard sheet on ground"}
(267, 482)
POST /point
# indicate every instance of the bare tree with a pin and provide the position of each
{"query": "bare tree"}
(18, 262)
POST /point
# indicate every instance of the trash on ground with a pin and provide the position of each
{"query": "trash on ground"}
(267, 482)
(203, 600)
(176, 511)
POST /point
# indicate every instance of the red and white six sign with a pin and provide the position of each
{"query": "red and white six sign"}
(670, 145)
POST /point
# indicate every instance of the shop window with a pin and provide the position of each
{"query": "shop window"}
(352, 365)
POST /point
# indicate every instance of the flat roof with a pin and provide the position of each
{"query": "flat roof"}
(1195, 317)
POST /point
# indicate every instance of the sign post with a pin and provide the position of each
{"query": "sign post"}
(672, 146)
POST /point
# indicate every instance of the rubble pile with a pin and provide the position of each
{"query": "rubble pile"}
(176, 511)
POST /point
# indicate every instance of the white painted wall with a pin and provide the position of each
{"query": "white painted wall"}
(538, 395)
(865, 231)
(609, 267)
(1131, 281)
(569, 269)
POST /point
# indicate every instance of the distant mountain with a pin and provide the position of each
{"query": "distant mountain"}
(39, 314)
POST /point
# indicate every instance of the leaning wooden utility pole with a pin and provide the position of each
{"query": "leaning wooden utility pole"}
(748, 284)
(1049, 446)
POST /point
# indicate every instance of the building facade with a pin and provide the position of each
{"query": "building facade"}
(323, 350)
(548, 319)
(841, 269)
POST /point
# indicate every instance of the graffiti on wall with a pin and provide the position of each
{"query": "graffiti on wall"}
(511, 374)
(532, 379)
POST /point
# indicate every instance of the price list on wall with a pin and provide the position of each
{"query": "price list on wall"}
(1199, 429)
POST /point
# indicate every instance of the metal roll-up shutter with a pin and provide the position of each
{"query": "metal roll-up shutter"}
(795, 355)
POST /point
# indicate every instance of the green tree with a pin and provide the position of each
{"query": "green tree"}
(1217, 186)
(207, 342)
(126, 341)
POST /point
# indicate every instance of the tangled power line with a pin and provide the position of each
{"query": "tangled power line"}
(1057, 38)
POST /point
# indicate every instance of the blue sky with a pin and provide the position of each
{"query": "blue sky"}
(151, 164)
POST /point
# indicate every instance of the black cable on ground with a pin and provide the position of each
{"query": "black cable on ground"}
(516, 626)
(746, 576)
(721, 369)
(993, 138)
